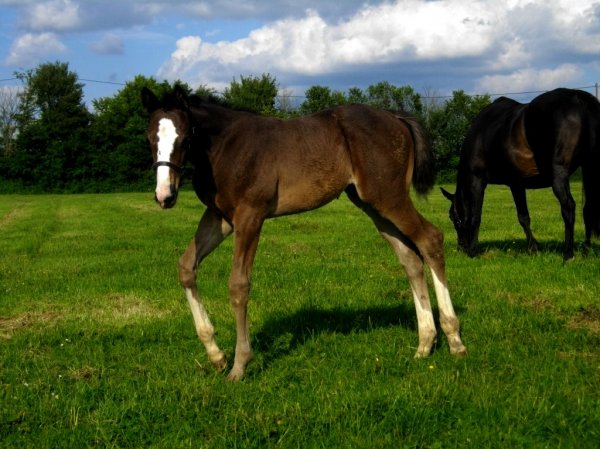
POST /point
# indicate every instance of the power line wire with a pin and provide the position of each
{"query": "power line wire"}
(429, 97)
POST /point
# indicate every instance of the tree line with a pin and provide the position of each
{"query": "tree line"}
(51, 142)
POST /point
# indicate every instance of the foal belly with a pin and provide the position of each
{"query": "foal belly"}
(306, 195)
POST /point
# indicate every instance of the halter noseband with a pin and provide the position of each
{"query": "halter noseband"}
(176, 168)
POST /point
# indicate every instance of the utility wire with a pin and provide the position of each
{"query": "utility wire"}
(431, 97)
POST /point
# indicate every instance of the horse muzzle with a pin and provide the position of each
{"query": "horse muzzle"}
(470, 248)
(166, 198)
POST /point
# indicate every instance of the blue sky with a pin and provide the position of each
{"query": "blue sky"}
(480, 46)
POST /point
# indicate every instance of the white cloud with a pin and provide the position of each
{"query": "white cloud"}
(409, 31)
(54, 15)
(474, 45)
(485, 38)
(30, 48)
(531, 79)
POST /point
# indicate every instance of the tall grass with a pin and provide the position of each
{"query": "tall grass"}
(98, 349)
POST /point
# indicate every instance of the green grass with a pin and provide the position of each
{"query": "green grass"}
(98, 349)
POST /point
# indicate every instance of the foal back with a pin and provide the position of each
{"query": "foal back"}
(297, 165)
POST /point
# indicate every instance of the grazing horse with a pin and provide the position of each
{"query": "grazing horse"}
(248, 168)
(530, 146)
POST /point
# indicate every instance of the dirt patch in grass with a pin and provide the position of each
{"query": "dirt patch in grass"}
(587, 318)
(8, 325)
(118, 309)
(114, 309)
(85, 373)
(536, 303)
(11, 216)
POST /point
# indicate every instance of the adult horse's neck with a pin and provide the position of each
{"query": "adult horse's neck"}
(464, 178)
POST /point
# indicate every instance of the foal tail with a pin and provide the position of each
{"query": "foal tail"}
(424, 169)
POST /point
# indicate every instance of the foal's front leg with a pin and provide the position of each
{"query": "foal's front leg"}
(212, 230)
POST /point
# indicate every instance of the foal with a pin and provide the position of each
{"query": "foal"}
(249, 168)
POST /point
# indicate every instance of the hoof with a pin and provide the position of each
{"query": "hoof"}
(456, 346)
(421, 354)
(460, 351)
(423, 351)
(427, 341)
(220, 363)
(235, 374)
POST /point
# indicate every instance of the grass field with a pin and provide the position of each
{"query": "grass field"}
(98, 348)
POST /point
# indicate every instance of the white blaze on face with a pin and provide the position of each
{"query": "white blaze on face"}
(167, 134)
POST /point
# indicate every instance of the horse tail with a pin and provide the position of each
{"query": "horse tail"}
(424, 161)
(590, 169)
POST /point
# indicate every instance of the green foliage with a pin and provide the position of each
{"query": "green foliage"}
(98, 347)
(121, 159)
(53, 137)
(56, 144)
(387, 96)
(319, 98)
(253, 94)
(381, 95)
(448, 125)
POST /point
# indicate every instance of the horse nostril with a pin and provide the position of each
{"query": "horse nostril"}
(169, 201)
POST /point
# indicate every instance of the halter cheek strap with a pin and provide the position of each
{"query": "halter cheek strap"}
(176, 168)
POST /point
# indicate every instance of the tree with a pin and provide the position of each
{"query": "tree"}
(387, 96)
(253, 94)
(9, 108)
(53, 124)
(121, 159)
(205, 91)
(356, 95)
(321, 97)
(448, 125)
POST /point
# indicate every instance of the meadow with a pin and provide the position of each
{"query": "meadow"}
(98, 348)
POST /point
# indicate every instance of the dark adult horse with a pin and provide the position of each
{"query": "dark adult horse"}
(249, 168)
(530, 146)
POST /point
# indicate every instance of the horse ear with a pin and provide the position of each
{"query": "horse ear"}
(181, 95)
(149, 100)
(447, 194)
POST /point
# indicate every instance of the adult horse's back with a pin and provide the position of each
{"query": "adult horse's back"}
(530, 146)
(249, 168)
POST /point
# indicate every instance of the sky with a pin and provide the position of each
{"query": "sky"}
(436, 46)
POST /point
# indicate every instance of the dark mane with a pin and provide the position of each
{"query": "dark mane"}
(170, 101)
(200, 100)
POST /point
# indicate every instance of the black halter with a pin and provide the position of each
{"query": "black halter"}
(176, 168)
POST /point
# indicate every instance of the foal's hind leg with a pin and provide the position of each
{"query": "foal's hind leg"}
(413, 264)
(212, 230)
(414, 268)
(410, 226)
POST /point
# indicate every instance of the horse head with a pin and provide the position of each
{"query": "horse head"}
(169, 134)
(466, 228)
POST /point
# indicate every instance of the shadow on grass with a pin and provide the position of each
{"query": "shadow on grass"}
(544, 247)
(280, 336)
